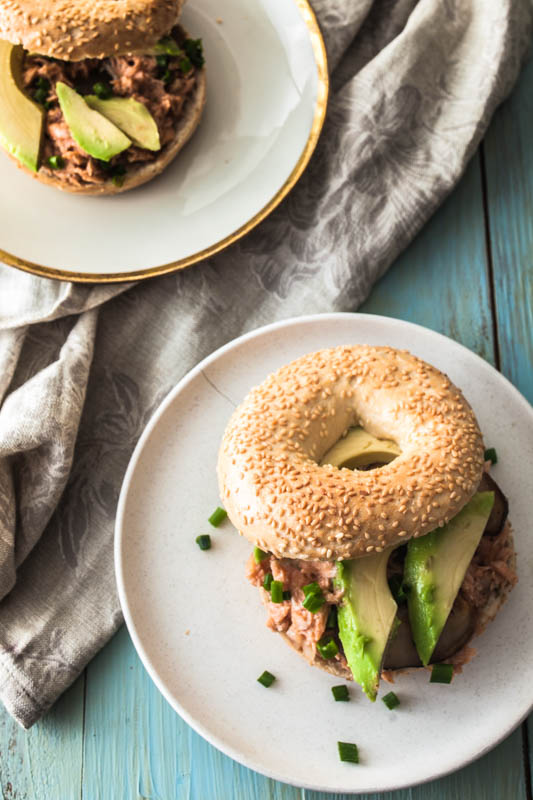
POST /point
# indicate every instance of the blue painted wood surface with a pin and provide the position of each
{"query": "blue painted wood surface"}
(469, 274)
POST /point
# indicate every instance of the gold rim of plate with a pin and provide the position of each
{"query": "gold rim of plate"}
(319, 51)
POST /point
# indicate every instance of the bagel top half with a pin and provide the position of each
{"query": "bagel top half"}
(279, 497)
(72, 30)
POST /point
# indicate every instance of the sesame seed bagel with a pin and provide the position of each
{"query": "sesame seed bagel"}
(76, 30)
(279, 497)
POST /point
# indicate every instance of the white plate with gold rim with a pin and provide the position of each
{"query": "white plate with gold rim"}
(199, 627)
(266, 100)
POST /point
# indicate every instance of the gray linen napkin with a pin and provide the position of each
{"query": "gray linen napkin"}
(83, 368)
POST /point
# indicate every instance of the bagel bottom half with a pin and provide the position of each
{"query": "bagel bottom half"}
(483, 616)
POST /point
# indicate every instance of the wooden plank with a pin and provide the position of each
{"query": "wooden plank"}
(509, 178)
(441, 281)
(217, 777)
(46, 761)
(135, 745)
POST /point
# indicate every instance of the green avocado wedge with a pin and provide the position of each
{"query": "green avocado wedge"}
(93, 132)
(367, 612)
(21, 120)
(435, 566)
(132, 117)
(359, 449)
(366, 617)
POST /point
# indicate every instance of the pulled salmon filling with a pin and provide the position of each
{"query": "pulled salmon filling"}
(489, 575)
(136, 76)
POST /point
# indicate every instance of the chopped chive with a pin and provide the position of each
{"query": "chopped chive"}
(491, 455)
(441, 673)
(391, 700)
(43, 83)
(203, 541)
(185, 64)
(398, 589)
(340, 692)
(102, 90)
(166, 76)
(40, 95)
(266, 679)
(286, 595)
(314, 599)
(259, 555)
(332, 617)
(162, 61)
(218, 516)
(118, 179)
(56, 162)
(268, 581)
(348, 752)
(314, 602)
(194, 50)
(327, 647)
(276, 592)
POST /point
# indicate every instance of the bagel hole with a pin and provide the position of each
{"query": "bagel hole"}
(360, 450)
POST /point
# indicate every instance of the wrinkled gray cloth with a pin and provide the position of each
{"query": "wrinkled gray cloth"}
(82, 369)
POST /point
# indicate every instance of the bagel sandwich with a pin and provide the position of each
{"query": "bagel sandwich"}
(381, 541)
(97, 98)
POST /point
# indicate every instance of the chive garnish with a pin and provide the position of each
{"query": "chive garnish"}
(194, 50)
(162, 61)
(56, 162)
(268, 581)
(327, 647)
(259, 555)
(348, 752)
(441, 673)
(166, 76)
(102, 90)
(340, 692)
(218, 516)
(185, 64)
(286, 595)
(43, 83)
(203, 541)
(398, 589)
(314, 599)
(391, 700)
(491, 455)
(40, 95)
(276, 592)
(314, 602)
(332, 617)
(266, 679)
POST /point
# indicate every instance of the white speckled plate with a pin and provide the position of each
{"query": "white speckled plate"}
(267, 87)
(199, 627)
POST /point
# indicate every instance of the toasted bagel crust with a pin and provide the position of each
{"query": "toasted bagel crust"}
(137, 175)
(278, 496)
(76, 30)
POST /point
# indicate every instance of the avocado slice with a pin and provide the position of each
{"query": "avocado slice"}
(367, 613)
(21, 120)
(359, 449)
(93, 132)
(366, 617)
(132, 117)
(435, 566)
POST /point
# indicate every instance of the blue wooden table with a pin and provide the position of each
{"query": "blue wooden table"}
(468, 275)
